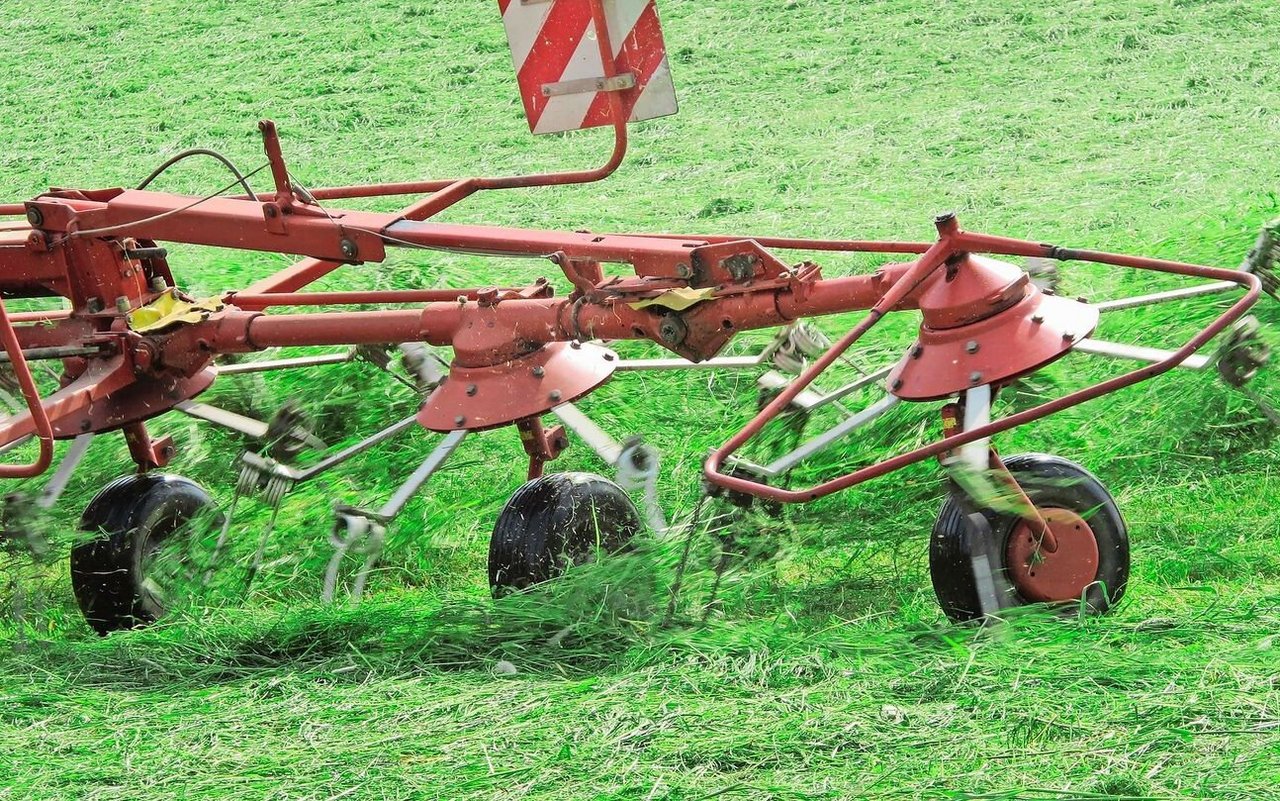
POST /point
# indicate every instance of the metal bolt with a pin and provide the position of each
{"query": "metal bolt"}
(1037, 318)
(683, 270)
(85, 424)
(554, 395)
(576, 345)
(122, 304)
(917, 351)
(945, 217)
(538, 372)
(270, 211)
(1082, 299)
(35, 217)
(459, 420)
(672, 330)
(975, 377)
(971, 346)
(1068, 336)
(608, 357)
(349, 248)
(471, 389)
(158, 284)
(897, 383)
(94, 305)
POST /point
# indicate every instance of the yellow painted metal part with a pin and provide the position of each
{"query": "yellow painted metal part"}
(169, 309)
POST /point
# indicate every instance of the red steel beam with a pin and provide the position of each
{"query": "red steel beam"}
(41, 426)
(539, 320)
(792, 243)
(308, 271)
(253, 302)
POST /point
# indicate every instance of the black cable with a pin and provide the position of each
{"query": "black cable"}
(111, 229)
(200, 151)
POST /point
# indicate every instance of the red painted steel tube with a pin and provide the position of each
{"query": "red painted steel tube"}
(531, 321)
(350, 328)
(294, 277)
(505, 182)
(31, 394)
(433, 204)
(964, 241)
(382, 190)
(539, 320)
(844, 294)
(793, 243)
(13, 210)
(39, 316)
(253, 302)
(604, 42)
(451, 191)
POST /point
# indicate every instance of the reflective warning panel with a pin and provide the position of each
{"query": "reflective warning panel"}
(556, 51)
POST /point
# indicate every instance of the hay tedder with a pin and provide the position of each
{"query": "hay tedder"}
(131, 345)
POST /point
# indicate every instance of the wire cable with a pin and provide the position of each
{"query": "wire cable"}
(126, 226)
(200, 151)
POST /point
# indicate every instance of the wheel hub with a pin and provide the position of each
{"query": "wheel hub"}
(1061, 575)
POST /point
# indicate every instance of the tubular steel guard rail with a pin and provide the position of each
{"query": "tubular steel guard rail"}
(31, 395)
(955, 241)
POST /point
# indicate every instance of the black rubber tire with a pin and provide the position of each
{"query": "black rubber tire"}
(1049, 481)
(132, 516)
(554, 522)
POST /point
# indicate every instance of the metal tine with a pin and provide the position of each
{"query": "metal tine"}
(363, 535)
(276, 489)
(270, 467)
(635, 463)
(271, 365)
(273, 478)
(245, 484)
(66, 469)
(353, 525)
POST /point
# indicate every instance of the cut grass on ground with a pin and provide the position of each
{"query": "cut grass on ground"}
(826, 670)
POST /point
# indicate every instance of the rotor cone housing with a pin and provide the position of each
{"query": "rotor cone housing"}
(985, 323)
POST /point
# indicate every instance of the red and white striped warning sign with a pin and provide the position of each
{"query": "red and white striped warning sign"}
(556, 51)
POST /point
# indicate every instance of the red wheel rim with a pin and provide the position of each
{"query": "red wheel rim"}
(1062, 575)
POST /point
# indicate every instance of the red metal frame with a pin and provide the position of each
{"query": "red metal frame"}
(98, 249)
(30, 394)
(952, 241)
(83, 232)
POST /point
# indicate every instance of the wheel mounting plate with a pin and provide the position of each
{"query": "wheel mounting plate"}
(1063, 575)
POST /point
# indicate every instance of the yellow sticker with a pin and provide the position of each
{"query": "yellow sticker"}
(676, 299)
(171, 309)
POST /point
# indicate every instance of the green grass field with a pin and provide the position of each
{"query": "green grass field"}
(826, 669)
